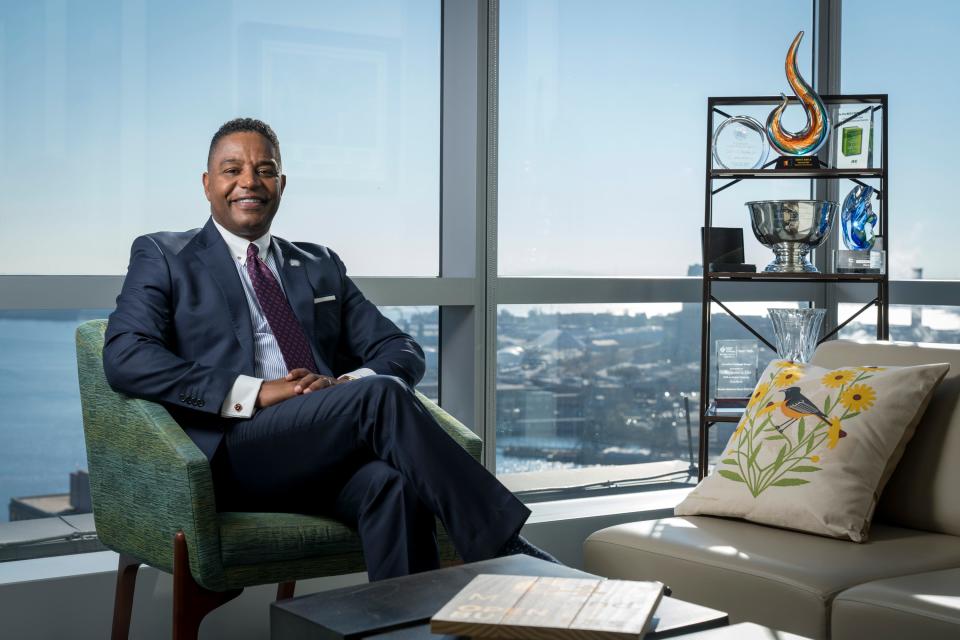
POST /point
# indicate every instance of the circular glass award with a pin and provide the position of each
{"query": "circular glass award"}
(740, 143)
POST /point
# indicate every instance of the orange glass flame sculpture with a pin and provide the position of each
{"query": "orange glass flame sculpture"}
(815, 134)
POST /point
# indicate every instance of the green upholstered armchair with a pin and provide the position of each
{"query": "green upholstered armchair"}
(153, 503)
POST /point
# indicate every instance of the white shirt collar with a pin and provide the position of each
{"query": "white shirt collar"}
(238, 246)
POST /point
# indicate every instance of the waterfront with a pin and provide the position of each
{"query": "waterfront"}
(573, 389)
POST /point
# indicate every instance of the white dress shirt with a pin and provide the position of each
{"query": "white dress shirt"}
(268, 359)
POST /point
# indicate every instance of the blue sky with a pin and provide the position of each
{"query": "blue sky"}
(106, 109)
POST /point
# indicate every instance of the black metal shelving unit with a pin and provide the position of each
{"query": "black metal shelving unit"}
(715, 105)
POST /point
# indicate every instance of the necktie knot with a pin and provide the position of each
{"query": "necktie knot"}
(253, 251)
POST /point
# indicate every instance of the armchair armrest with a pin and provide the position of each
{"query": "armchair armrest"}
(456, 429)
(148, 480)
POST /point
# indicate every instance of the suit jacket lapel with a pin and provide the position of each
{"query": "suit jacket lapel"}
(216, 256)
(296, 282)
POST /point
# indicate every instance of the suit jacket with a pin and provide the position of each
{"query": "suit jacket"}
(181, 332)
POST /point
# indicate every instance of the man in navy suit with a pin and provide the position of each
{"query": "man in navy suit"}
(291, 382)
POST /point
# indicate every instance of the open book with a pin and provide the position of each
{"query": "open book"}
(498, 606)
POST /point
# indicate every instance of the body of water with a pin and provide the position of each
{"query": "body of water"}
(41, 427)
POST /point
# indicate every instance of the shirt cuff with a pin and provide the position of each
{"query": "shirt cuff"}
(242, 398)
(358, 373)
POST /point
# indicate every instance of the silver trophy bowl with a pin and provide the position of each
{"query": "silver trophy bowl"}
(791, 228)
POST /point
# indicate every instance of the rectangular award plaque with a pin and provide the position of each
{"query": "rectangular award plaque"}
(736, 368)
(854, 140)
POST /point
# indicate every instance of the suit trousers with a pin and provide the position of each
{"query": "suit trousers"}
(368, 453)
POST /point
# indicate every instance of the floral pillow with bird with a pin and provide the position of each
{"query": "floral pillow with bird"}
(815, 447)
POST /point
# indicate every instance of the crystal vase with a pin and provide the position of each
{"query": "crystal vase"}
(796, 331)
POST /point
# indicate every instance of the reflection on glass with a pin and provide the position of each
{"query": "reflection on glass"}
(352, 90)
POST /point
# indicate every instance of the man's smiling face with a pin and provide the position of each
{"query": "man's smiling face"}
(243, 184)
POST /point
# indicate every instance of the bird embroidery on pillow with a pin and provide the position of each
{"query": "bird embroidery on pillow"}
(780, 436)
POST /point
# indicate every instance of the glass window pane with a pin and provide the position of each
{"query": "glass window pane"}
(106, 117)
(587, 385)
(923, 221)
(605, 385)
(909, 323)
(423, 323)
(602, 128)
(41, 427)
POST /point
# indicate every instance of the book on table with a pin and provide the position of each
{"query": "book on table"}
(502, 606)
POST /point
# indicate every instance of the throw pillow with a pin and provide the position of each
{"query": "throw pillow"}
(815, 447)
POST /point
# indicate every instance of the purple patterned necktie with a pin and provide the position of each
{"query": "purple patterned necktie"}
(285, 326)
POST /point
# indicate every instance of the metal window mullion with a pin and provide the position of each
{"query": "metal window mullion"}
(491, 8)
(826, 65)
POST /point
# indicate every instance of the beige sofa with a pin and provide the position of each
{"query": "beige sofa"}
(903, 582)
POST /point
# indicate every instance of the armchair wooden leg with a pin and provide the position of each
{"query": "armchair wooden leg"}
(285, 589)
(123, 596)
(191, 602)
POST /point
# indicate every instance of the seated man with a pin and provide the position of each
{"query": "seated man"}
(293, 384)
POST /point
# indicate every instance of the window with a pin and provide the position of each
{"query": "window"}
(108, 107)
(423, 323)
(923, 210)
(607, 384)
(602, 125)
(909, 323)
(41, 428)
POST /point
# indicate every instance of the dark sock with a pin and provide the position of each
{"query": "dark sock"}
(519, 544)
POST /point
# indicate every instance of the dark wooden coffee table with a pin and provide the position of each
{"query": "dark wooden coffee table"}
(400, 608)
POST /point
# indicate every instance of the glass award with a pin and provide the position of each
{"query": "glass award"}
(736, 371)
(740, 143)
(855, 140)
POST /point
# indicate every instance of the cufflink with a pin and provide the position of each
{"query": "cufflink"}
(238, 407)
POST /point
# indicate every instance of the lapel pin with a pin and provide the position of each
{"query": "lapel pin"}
(294, 263)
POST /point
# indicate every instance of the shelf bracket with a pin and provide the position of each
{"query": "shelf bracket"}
(726, 186)
(744, 324)
(875, 301)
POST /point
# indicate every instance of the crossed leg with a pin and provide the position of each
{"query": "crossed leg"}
(317, 448)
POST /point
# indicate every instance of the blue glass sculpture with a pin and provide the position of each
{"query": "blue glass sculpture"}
(857, 219)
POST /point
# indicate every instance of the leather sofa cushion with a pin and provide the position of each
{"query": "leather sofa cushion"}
(783, 579)
(921, 492)
(924, 605)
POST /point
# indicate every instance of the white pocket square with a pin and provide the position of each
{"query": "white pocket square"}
(324, 299)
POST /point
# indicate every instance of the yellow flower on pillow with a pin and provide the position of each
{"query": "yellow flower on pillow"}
(788, 376)
(758, 393)
(838, 378)
(859, 397)
(869, 368)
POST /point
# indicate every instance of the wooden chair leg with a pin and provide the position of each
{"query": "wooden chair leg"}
(123, 596)
(285, 589)
(191, 602)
